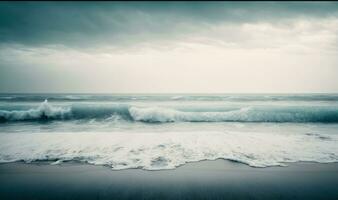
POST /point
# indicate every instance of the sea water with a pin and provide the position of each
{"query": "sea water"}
(157, 132)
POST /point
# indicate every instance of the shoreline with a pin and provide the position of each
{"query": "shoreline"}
(219, 179)
(66, 163)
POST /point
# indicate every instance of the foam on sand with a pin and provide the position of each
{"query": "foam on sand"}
(167, 150)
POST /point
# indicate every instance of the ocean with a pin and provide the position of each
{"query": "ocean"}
(157, 132)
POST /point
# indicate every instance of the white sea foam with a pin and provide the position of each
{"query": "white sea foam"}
(167, 150)
(158, 114)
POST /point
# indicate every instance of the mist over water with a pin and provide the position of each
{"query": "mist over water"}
(165, 131)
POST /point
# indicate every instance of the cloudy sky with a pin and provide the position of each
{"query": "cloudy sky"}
(177, 47)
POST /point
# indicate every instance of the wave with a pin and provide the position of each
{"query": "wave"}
(46, 111)
(246, 114)
(43, 112)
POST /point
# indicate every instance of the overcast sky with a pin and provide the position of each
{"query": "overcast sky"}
(163, 47)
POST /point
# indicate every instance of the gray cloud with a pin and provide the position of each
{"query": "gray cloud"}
(87, 24)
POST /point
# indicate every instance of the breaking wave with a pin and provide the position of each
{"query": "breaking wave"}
(297, 114)
(44, 111)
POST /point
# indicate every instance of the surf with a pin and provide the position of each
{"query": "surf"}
(171, 114)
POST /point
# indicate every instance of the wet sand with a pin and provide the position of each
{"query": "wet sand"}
(203, 180)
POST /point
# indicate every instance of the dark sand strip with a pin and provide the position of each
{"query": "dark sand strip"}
(204, 180)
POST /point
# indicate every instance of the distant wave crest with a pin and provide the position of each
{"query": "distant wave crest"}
(167, 97)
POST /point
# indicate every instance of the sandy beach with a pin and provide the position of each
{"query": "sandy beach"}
(218, 179)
